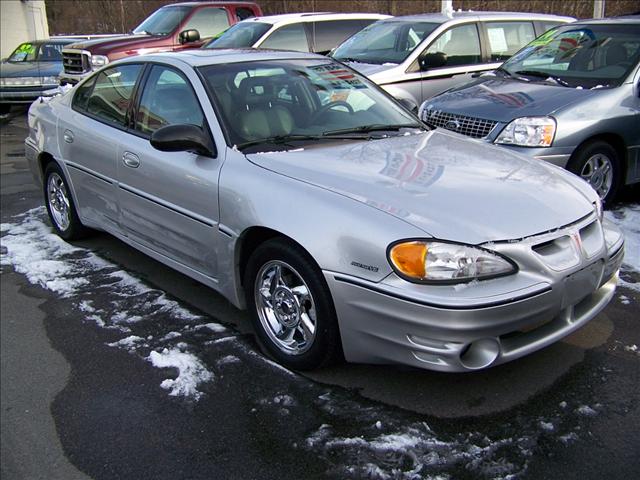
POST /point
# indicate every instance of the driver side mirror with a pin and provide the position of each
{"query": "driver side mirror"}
(183, 138)
(432, 60)
(189, 36)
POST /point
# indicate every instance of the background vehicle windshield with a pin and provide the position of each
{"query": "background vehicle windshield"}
(37, 52)
(278, 98)
(163, 21)
(243, 34)
(581, 55)
(384, 42)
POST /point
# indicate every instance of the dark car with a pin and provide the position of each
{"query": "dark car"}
(173, 27)
(571, 97)
(31, 70)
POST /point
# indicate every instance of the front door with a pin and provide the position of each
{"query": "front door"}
(169, 200)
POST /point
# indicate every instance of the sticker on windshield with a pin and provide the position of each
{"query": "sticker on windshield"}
(339, 78)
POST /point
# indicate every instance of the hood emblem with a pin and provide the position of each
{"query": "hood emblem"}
(452, 125)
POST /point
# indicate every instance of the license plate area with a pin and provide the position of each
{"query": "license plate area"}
(582, 283)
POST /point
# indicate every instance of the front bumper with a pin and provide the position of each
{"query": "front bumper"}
(557, 155)
(457, 329)
(26, 96)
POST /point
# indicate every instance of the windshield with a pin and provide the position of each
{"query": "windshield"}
(40, 52)
(306, 98)
(163, 21)
(586, 56)
(384, 42)
(243, 34)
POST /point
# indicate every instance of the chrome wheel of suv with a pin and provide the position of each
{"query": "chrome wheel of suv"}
(598, 171)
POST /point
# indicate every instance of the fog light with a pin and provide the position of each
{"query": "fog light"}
(480, 354)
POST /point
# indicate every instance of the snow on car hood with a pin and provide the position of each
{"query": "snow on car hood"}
(368, 69)
(449, 186)
(503, 99)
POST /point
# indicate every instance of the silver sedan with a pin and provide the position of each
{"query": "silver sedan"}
(298, 189)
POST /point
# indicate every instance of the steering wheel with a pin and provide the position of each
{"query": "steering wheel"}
(325, 108)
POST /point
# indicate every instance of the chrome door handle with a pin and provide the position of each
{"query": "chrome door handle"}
(68, 136)
(130, 160)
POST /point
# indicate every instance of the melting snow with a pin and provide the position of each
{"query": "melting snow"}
(191, 372)
(628, 219)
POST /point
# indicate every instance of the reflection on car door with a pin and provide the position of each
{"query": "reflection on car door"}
(169, 200)
(89, 135)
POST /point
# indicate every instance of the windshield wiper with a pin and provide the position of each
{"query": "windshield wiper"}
(535, 73)
(287, 139)
(373, 128)
(504, 71)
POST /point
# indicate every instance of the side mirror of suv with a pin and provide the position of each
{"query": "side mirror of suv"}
(189, 36)
(432, 60)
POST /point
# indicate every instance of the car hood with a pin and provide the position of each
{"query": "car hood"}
(449, 186)
(105, 46)
(30, 69)
(369, 69)
(503, 99)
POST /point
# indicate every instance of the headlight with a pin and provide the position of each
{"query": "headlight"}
(441, 262)
(99, 60)
(50, 80)
(529, 132)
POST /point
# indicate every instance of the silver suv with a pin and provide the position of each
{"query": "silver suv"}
(416, 57)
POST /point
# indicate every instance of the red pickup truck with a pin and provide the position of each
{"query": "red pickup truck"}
(173, 27)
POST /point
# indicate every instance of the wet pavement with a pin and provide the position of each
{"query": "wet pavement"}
(115, 366)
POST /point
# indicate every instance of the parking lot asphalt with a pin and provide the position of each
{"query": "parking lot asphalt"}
(115, 366)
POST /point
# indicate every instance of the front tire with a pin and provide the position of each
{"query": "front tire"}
(291, 307)
(60, 205)
(598, 164)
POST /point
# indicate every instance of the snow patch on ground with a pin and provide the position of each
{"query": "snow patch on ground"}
(30, 247)
(628, 220)
(191, 372)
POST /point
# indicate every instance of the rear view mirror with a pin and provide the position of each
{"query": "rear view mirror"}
(189, 36)
(433, 60)
(183, 138)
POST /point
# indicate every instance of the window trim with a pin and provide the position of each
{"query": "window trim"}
(94, 79)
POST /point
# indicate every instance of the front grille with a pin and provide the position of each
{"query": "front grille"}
(75, 62)
(470, 126)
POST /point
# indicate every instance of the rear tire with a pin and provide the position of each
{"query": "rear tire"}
(598, 164)
(60, 205)
(291, 307)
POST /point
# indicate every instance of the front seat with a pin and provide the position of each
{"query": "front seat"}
(260, 117)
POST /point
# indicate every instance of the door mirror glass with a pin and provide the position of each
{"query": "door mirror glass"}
(433, 60)
(183, 138)
(189, 36)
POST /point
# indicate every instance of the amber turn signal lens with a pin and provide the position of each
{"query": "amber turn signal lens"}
(410, 258)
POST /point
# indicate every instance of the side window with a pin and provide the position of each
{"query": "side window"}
(81, 96)
(208, 21)
(242, 13)
(167, 99)
(506, 38)
(331, 33)
(460, 45)
(546, 26)
(289, 37)
(111, 94)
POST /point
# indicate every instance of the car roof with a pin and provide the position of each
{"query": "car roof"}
(314, 17)
(471, 15)
(221, 2)
(623, 20)
(201, 57)
(41, 41)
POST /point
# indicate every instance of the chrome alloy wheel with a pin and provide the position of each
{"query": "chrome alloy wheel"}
(58, 199)
(598, 171)
(285, 307)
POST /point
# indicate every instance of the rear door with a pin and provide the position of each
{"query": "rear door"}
(169, 200)
(89, 138)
